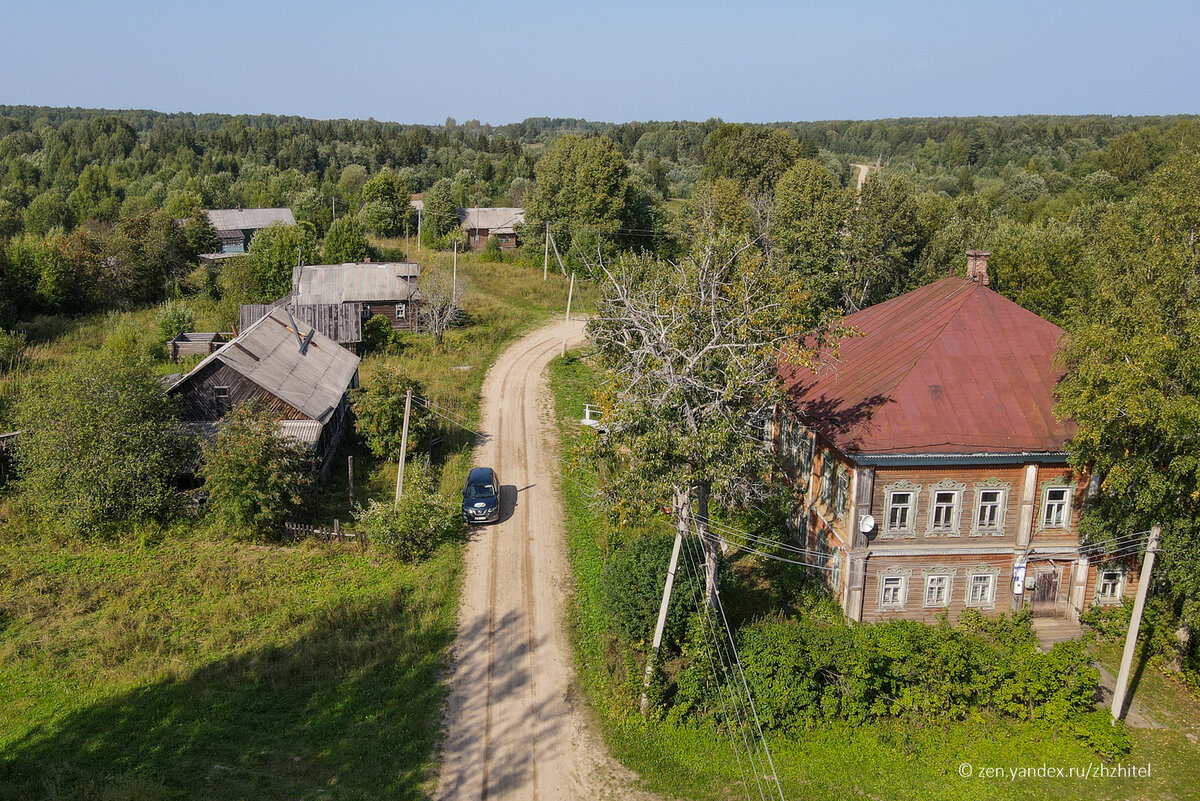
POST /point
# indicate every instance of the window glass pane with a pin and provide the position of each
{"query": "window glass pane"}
(943, 510)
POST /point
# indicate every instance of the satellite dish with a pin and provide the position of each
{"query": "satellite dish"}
(866, 524)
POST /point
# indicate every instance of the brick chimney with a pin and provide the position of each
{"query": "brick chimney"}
(977, 266)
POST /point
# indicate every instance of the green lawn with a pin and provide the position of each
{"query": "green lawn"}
(182, 664)
(892, 760)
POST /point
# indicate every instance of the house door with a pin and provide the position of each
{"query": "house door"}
(1045, 593)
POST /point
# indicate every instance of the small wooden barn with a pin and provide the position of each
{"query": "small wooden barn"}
(190, 343)
(481, 225)
(237, 227)
(387, 288)
(281, 363)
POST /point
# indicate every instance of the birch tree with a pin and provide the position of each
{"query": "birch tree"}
(691, 350)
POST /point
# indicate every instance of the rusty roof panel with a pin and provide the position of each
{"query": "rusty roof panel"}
(952, 367)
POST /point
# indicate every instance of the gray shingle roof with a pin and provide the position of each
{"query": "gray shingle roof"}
(246, 219)
(369, 283)
(312, 379)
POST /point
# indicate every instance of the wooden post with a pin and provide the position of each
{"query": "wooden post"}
(454, 279)
(567, 319)
(1135, 622)
(546, 255)
(681, 525)
(418, 230)
(561, 266)
(403, 445)
(350, 477)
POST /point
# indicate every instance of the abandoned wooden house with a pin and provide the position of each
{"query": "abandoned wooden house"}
(931, 468)
(237, 227)
(491, 223)
(191, 343)
(341, 322)
(285, 365)
(387, 288)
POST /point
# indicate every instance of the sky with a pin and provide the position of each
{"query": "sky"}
(754, 61)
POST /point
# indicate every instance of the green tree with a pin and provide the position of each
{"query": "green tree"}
(274, 253)
(440, 215)
(147, 253)
(415, 527)
(174, 318)
(810, 214)
(752, 155)
(345, 242)
(1133, 376)
(100, 446)
(253, 477)
(379, 412)
(48, 211)
(884, 241)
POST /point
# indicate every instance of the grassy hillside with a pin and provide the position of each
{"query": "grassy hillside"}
(178, 663)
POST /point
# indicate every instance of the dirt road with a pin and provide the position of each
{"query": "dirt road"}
(513, 729)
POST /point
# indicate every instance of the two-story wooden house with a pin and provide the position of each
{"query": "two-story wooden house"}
(931, 466)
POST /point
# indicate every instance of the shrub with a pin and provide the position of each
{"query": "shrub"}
(101, 445)
(632, 585)
(491, 250)
(1109, 739)
(1109, 621)
(378, 336)
(422, 520)
(174, 318)
(254, 478)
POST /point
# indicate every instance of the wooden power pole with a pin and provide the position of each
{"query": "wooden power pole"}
(567, 319)
(454, 278)
(546, 254)
(1135, 622)
(681, 527)
(403, 445)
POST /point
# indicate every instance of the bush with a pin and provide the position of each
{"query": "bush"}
(378, 336)
(101, 446)
(1109, 739)
(632, 584)
(491, 250)
(174, 318)
(379, 412)
(1109, 621)
(422, 521)
(255, 479)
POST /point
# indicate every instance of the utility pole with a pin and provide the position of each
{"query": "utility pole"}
(334, 208)
(546, 255)
(407, 244)
(350, 478)
(1135, 622)
(567, 319)
(403, 445)
(454, 276)
(560, 261)
(681, 526)
(418, 230)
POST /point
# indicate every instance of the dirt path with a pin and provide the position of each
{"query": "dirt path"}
(513, 729)
(863, 171)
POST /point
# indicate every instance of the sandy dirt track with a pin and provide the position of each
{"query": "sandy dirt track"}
(514, 728)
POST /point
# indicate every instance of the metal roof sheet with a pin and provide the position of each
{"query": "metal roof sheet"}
(370, 282)
(246, 219)
(311, 379)
(499, 220)
(952, 367)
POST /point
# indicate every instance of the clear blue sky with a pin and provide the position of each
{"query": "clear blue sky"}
(756, 61)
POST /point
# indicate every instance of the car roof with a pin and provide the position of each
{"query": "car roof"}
(480, 474)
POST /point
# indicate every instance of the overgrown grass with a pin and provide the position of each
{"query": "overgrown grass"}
(199, 669)
(181, 664)
(888, 760)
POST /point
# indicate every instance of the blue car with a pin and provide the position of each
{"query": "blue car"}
(481, 496)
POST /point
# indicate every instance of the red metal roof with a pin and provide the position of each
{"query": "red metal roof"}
(952, 367)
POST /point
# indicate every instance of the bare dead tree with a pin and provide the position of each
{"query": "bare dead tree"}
(439, 308)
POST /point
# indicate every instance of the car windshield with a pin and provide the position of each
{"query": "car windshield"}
(481, 491)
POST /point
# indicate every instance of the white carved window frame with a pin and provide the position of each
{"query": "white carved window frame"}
(990, 485)
(1120, 586)
(982, 570)
(929, 574)
(1045, 487)
(958, 490)
(905, 576)
(910, 530)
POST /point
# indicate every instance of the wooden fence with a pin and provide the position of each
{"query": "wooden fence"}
(303, 531)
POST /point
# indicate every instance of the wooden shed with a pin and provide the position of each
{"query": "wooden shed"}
(190, 343)
(286, 365)
(387, 288)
